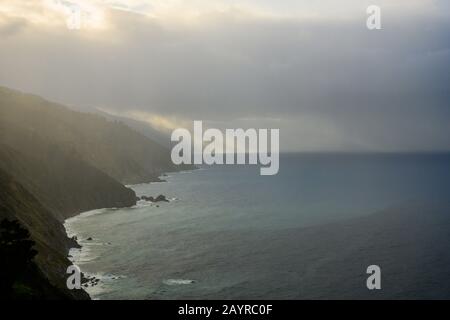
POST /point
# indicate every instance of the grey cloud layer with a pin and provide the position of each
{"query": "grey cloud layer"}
(349, 88)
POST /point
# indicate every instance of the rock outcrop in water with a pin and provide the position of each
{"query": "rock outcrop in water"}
(160, 198)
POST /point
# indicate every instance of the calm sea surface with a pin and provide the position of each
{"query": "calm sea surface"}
(230, 233)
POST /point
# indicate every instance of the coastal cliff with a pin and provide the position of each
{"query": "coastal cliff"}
(56, 163)
(42, 274)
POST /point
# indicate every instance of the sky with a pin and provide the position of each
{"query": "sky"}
(311, 69)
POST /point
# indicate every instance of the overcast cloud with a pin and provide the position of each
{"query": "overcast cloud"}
(314, 71)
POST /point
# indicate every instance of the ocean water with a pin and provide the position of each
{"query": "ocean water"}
(308, 232)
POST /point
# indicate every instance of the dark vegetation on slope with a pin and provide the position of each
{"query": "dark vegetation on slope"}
(33, 247)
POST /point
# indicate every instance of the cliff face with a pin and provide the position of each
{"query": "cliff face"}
(44, 276)
(64, 184)
(56, 163)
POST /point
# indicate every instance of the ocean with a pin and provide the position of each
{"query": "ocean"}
(308, 232)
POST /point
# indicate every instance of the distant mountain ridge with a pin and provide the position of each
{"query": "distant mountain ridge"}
(121, 152)
(160, 137)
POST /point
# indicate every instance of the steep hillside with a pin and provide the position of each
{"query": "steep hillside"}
(55, 163)
(62, 182)
(112, 147)
(42, 276)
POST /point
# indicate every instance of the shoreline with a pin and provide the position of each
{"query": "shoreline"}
(74, 254)
(408, 231)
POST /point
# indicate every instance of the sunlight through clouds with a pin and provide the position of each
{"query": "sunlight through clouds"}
(54, 13)
(309, 64)
(95, 13)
